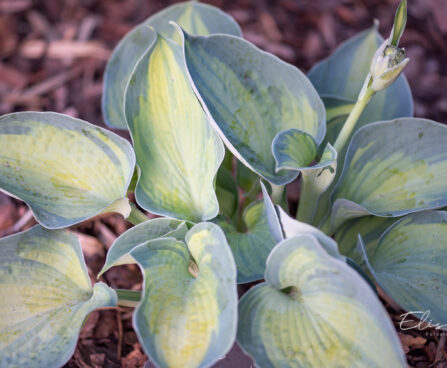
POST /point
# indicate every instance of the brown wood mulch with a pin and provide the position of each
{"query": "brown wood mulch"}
(52, 57)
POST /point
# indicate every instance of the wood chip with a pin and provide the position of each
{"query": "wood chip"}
(409, 341)
(14, 6)
(64, 49)
(90, 245)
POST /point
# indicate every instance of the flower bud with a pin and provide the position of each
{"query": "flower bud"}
(387, 64)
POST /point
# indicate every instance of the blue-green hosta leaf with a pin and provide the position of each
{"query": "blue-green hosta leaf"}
(293, 149)
(337, 111)
(342, 75)
(45, 296)
(321, 175)
(337, 107)
(272, 216)
(393, 168)
(250, 96)
(410, 264)
(187, 317)
(246, 178)
(315, 180)
(370, 228)
(119, 252)
(193, 16)
(292, 227)
(339, 79)
(282, 226)
(177, 150)
(227, 192)
(315, 311)
(252, 247)
(65, 169)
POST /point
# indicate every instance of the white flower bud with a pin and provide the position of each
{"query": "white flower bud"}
(387, 64)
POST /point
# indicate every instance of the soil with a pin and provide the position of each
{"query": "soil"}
(52, 57)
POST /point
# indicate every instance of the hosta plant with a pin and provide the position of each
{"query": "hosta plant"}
(218, 129)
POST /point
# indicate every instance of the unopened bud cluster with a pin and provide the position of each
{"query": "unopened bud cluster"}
(387, 64)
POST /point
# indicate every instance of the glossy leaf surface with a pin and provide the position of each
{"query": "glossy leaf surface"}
(410, 264)
(315, 311)
(250, 97)
(45, 296)
(393, 168)
(65, 169)
(188, 313)
(177, 150)
(195, 17)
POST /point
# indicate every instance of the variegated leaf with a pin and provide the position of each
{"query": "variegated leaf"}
(252, 246)
(410, 264)
(339, 79)
(282, 226)
(315, 311)
(119, 252)
(65, 169)
(250, 96)
(393, 168)
(370, 228)
(45, 296)
(337, 111)
(195, 17)
(177, 150)
(187, 317)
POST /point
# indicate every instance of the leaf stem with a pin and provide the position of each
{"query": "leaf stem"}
(136, 216)
(309, 199)
(353, 117)
(279, 195)
(128, 298)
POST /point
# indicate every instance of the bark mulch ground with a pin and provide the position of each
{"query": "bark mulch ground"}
(52, 57)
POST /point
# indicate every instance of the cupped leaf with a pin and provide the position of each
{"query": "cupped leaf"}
(410, 264)
(177, 150)
(315, 311)
(119, 252)
(195, 17)
(251, 247)
(65, 169)
(370, 228)
(342, 76)
(315, 180)
(45, 296)
(188, 313)
(393, 168)
(250, 96)
(293, 149)
(321, 175)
